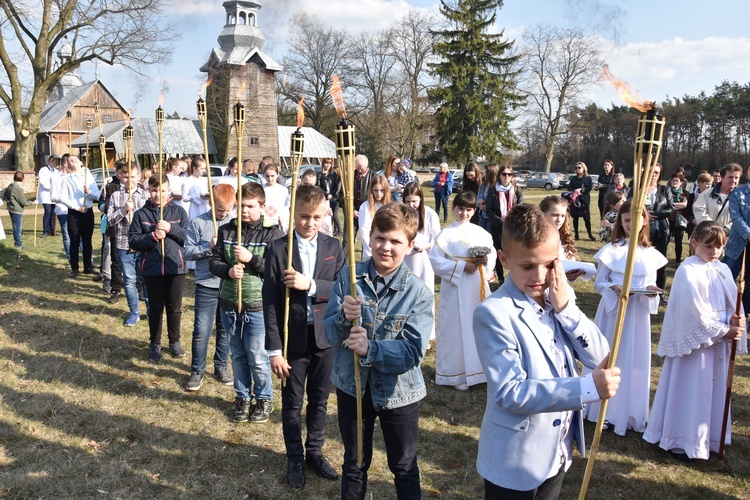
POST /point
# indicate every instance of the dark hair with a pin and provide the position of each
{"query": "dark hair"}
(465, 199)
(412, 189)
(396, 216)
(122, 166)
(389, 164)
(526, 224)
(612, 198)
(171, 163)
(309, 196)
(468, 183)
(309, 173)
(154, 181)
(232, 163)
(491, 174)
(18, 176)
(618, 232)
(732, 167)
(710, 233)
(195, 163)
(253, 191)
(271, 166)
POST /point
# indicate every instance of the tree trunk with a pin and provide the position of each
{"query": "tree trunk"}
(25, 150)
(549, 154)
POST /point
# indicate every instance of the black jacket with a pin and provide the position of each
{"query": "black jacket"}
(329, 261)
(141, 238)
(662, 208)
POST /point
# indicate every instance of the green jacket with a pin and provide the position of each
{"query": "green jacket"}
(15, 198)
(256, 236)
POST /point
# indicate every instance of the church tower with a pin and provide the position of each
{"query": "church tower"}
(241, 71)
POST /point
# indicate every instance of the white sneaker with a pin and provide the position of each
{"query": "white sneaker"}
(462, 386)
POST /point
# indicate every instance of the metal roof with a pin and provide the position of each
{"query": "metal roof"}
(316, 144)
(54, 112)
(179, 137)
(240, 56)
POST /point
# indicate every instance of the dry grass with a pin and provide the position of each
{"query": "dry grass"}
(83, 414)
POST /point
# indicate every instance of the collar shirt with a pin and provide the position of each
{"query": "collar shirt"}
(73, 196)
(118, 219)
(308, 253)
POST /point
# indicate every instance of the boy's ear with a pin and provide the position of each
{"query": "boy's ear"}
(503, 258)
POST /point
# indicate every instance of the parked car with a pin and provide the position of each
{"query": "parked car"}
(547, 181)
(594, 181)
(519, 180)
(97, 173)
(458, 180)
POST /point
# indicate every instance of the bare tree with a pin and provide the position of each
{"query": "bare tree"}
(127, 32)
(561, 66)
(316, 53)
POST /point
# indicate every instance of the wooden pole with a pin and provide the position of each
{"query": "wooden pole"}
(160, 135)
(36, 203)
(732, 356)
(647, 149)
(239, 127)
(204, 124)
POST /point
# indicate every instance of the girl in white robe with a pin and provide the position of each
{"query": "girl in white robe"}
(195, 190)
(379, 194)
(277, 198)
(628, 409)
(418, 259)
(696, 338)
(461, 288)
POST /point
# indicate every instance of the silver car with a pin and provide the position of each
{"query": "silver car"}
(548, 181)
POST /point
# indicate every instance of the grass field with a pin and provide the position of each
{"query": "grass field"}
(83, 414)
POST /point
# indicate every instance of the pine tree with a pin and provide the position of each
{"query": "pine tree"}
(476, 88)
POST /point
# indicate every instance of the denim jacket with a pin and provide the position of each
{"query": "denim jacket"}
(398, 325)
(739, 213)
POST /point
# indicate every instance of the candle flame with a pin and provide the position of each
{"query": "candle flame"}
(161, 97)
(338, 97)
(625, 91)
(300, 112)
(204, 87)
(240, 91)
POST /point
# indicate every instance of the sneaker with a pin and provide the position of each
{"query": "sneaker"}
(176, 350)
(241, 410)
(222, 375)
(462, 386)
(114, 297)
(262, 411)
(132, 319)
(154, 352)
(194, 382)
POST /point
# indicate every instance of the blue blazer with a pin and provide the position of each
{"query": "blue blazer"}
(527, 396)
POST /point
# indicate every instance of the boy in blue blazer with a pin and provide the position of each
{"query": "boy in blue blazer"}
(529, 334)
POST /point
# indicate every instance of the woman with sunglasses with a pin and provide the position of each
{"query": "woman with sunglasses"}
(579, 209)
(500, 198)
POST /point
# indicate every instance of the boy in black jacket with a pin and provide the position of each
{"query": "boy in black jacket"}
(316, 260)
(165, 276)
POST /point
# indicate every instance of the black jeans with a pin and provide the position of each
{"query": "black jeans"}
(548, 490)
(164, 292)
(335, 216)
(48, 223)
(400, 428)
(80, 230)
(314, 365)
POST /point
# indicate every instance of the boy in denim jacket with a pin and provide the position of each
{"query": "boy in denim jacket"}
(395, 310)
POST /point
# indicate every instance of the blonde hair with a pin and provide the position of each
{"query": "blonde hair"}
(378, 181)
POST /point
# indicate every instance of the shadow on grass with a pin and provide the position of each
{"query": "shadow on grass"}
(125, 456)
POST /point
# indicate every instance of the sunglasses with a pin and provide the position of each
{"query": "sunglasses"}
(507, 174)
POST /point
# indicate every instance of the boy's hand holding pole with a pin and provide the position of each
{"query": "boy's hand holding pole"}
(357, 340)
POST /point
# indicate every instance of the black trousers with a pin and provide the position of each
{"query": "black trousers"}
(164, 292)
(548, 490)
(661, 243)
(314, 365)
(48, 223)
(400, 428)
(80, 230)
(115, 273)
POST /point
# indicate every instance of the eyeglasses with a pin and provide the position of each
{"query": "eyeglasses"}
(579, 168)
(507, 174)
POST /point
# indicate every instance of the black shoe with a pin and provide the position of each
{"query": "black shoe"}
(73, 274)
(295, 474)
(222, 375)
(97, 278)
(591, 237)
(262, 411)
(176, 350)
(154, 353)
(577, 238)
(682, 457)
(114, 297)
(88, 270)
(241, 410)
(323, 467)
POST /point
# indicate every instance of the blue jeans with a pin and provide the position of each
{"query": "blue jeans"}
(442, 198)
(247, 341)
(206, 313)
(63, 220)
(16, 220)
(735, 265)
(129, 277)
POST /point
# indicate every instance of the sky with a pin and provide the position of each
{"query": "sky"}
(663, 47)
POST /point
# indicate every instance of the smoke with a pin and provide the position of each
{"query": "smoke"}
(605, 19)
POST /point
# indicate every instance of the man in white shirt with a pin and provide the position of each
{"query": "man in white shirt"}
(43, 196)
(79, 192)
